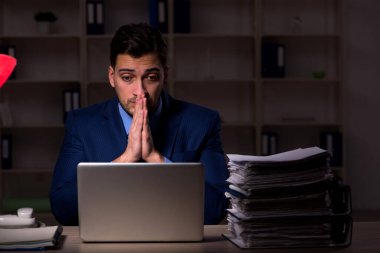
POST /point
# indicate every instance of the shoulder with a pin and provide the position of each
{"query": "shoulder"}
(195, 119)
(94, 112)
(197, 111)
(192, 110)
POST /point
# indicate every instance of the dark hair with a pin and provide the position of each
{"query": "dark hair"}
(138, 40)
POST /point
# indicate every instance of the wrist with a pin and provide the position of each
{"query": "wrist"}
(155, 157)
(125, 158)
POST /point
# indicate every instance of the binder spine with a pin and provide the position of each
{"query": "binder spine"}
(269, 144)
(75, 99)
(158, 14)
(67, 104)
(71, 101)
(95, 16)
(6, 151)
(332, 142)
(273, 60)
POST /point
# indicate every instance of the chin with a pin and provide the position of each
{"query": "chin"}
(130, 111)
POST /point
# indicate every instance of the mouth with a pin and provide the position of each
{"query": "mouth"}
(132, 100)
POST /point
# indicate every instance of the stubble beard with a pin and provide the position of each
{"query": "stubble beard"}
(131, 104)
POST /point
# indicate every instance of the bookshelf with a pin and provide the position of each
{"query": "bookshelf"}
(217, 64)
(304, 107)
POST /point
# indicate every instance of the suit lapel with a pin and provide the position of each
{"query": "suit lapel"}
(113, 124)
(169, 126)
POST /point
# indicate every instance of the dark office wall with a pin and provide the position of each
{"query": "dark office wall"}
(362, 101)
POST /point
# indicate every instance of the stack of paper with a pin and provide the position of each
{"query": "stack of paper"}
(291, 199)
(29, 238)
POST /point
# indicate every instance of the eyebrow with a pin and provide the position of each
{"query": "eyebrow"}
(132, 70)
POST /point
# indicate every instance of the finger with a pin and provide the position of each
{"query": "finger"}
(134, 138)
(146, 128)
(137, 116)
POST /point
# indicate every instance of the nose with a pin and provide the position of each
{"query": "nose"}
(140, 88)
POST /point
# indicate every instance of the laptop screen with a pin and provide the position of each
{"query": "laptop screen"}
(141, 201)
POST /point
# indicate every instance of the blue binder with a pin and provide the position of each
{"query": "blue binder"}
(158, 14)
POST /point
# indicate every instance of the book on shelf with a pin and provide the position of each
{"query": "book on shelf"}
(290, 199)
(269, 143)
(273, 60)
(158, 15)
(95, 16)
(182, 11)
(6, 151)
(71, 101)
(332, 142)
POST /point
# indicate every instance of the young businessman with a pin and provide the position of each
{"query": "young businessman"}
(143, 123)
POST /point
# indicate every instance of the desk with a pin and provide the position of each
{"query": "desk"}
(365, 238)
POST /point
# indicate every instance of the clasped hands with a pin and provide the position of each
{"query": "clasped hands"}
(140, 141)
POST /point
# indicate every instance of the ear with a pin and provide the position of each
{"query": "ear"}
(111, 76)
(166, 72)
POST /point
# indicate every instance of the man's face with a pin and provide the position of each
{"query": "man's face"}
(133, 77)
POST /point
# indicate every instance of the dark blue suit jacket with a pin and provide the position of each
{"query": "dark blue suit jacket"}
(186, 133)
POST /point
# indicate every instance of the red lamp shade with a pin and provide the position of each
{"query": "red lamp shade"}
(7, 64)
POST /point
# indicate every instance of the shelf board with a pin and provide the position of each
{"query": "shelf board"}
(99, 36)
(216, 81)
(300, 80)
(42, 126)
(302, 123)
(43, 37)
(183, 35)
(31, 81)
(231, 124)
(263, 80)
(16, 171)
(212, 36)
(97, 82)
(301, 36)
(216, 35)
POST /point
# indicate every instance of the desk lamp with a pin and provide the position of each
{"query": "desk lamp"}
(7, 64)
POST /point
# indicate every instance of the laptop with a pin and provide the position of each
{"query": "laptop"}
(140, 202)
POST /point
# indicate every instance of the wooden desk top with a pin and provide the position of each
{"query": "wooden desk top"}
(365, 238)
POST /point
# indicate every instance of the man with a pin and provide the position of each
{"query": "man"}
(143, 124)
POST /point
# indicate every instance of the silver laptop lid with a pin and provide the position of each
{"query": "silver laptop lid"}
(141, 201)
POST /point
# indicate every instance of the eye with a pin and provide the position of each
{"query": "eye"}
(127, 78)
(153, 77)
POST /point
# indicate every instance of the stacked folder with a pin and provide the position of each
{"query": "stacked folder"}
(36, 238)
(22, 232)
(290, 199)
